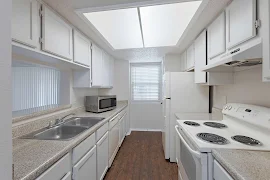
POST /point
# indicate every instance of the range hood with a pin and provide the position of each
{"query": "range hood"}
(248, 54)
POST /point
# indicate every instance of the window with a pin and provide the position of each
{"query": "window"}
(146, 82)
(34, 88)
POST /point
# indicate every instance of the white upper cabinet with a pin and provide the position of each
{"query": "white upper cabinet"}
(25, 22)
(56, 34)
(190, 57)
(240, 22)
(97, 66)
(106, 69)
(82, 49)
(183, 60)
(200, 58)
(216, 43)
(111, 72)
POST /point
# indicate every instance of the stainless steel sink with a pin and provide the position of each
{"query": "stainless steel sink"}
(66, 131)
(57, 133)
(83, 121)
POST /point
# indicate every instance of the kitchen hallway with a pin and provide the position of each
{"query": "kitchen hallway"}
(141, 157)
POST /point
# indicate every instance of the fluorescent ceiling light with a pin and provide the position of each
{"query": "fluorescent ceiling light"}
(150, 26)
(121, 28)
(163, 25)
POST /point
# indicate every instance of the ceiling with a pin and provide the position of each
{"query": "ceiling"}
(205, 14)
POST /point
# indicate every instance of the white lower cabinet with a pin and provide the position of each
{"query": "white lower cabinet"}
(68, 176)
(113, 140)
(59, 171)
(102, 156)
(220, 173)
(86, 168)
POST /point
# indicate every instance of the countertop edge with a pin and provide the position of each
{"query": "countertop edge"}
(230, 170)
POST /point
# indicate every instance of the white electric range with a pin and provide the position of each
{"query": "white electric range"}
(243, 127)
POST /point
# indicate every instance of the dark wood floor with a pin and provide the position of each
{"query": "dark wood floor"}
(141, 157)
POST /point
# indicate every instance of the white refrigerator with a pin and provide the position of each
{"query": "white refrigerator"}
(180, 95)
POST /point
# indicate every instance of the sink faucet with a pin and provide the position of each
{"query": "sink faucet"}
(60, 121)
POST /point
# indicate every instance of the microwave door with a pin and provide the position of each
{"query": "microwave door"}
(107, 103)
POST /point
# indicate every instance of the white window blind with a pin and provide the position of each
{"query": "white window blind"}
(34, 88)
(145, 82)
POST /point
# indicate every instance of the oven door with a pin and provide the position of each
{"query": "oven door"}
(107, 103)
(192, 165)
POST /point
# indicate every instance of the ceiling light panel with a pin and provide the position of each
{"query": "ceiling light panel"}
(163, 25)
(121, 28)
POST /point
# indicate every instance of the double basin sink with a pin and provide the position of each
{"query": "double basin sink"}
(66, 131)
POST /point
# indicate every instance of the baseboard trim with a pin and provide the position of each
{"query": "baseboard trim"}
(129, 132)
(142, 129)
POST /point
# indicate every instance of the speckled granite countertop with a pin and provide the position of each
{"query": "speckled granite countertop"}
(32, 157)
(243, 164)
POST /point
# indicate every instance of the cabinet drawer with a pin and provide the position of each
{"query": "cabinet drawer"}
(122, 113)
(80, 150)
(57, 171)
(220, 173)
(102, 130)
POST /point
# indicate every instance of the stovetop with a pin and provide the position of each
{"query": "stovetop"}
(230, 134)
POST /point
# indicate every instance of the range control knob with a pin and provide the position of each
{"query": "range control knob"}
(225, 108)
(230, 107)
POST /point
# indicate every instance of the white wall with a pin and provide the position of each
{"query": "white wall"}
(5, 91)
(247, 88)
(172, 63)
(120, 82)
(77, 94)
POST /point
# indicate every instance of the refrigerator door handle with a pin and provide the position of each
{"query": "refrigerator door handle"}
(168, 98)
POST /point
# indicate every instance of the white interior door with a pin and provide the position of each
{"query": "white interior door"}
(146, 93)
(25, 22)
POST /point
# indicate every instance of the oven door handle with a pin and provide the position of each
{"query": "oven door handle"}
(195, 153)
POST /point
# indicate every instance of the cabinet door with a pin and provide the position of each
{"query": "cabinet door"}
(82, 49)
(111, 76)
(97, 66)
(56, 34)
(86, 168)
(190, 57)
(240, 22)
(200, 58)
(102, 156)
(184, 61)
(216, 43)
(25, 22)
(106, 69)
(113, 142)
(67, 176)
(58, 170)
(121, 131)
